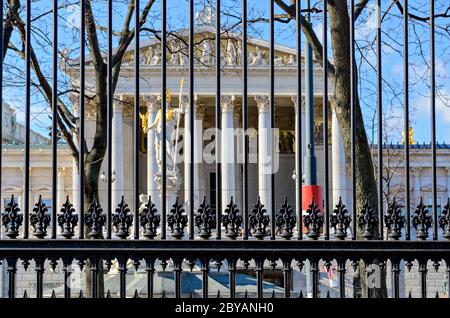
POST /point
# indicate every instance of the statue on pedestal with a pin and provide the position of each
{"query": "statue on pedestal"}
(231, 53)
(156, 58)
(206, 16)
(239, 54)
(256, 58)
(207, 57)
(173, 175)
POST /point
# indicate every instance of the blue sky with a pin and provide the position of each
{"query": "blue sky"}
(366, 31)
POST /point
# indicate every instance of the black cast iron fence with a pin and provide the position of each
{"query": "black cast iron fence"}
(259, 238)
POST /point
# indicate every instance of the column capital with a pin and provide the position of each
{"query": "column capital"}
(153, 102)
(302, 101)
(185, 102)
(200, 111)
(416, 171)
(61, 172)
(119, 103)
(263, 103)
(227, 103)
(238, 111)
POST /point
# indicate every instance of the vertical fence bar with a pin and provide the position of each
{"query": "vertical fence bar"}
(150, 269)
(205, 275)
(259, 277)
(298, 132)
(406, 117)
(110, 117)
(191, 118)
(325, 120)
(395, 279)
(341, 271)
(66, 270)
(123, 277)
(218, 128)
(81, 113)
(423, 277)
(272, 116)
(232, 277)
(94, 277)
(245, 117)
(380, 122)
(164, 119)
(11, 270)
(55, 119)
(353, 113)
(39, 269)
(137, 135)
(26, 170)
(433, 116)
(177, 272)
(287, 273)
(314, 270)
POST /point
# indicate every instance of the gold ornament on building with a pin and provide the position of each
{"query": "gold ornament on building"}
(168, 96)
(144, 121)
(410, 135)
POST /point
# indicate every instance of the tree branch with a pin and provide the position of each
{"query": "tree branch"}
(65, 117)
(359, 8)
(446, 14)
(127, 36)
(310, 35)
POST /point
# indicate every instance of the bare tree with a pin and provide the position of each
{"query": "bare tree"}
(68, 121)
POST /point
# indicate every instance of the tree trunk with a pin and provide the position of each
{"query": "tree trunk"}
(365, 187)
(91, 177)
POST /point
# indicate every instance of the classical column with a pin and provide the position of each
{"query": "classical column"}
(339, 173)
(153, 105)
(117, 150)
(298, 171)
(237, 117)
(227, 146)
(187, 148)
(265, 150)
(74, 196)
(61, 195)
(200, 181)
(75, 186)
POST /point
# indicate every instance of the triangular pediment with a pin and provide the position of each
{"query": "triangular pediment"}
(204, 36)
(429, 188)
(258, 50)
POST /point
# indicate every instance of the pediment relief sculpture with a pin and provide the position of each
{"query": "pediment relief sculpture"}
(429, 188)
(231, 53)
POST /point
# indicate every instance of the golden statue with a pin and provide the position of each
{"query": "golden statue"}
(144, 121)
(172, 121)
(144, 116)
(410, 135)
